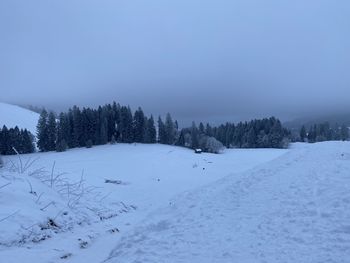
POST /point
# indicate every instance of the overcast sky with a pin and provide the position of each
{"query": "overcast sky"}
(198, 59)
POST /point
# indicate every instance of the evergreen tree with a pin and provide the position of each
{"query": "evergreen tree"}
(104, 131)
(113, 140)
(28, 144)
(63, 132)
(201, 128)
(194, 136)
(70, 139)
(42, 132)
(151, 133)
(208, 130)
(51, 132)
(78, 130)
(14, 138)
(139, 126)
(61, 145)
(169, 130)
(162, 134)
(4, 145)
(344, 133)
(251, 138)
(302, 133)
(125, 126)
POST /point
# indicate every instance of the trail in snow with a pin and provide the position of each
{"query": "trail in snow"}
(293, 209)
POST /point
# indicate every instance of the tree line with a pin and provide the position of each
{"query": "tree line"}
(113, 123)
(264, 133)
(87, 127)
(15, 139)
(323, 132)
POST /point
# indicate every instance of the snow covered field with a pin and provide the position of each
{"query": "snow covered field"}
(167, 204)
(151, 177)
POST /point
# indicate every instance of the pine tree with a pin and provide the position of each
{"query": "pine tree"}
(28, 145)
(139, 126)
(70, 139)
(4, 145)
(251, 138)
(151, 133)
(104, 131)
(51, 132)
(302, 133)
(201, 128)
(162, 135)
(125, 126)
(194, 136)
(113, 140)
(42, 132)
(169, 130)
(208, 130)
(63, 132)
(344, 133)
(61, 145)
(78, 140)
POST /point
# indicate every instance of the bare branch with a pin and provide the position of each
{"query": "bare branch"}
(3, 219)
(3, 186)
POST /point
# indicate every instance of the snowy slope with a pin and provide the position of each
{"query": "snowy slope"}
(151, 176)
(11, 115)
(293, 209)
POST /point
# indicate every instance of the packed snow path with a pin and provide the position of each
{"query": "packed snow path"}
(293, 209)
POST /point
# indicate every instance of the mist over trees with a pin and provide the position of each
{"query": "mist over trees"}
(322, 132)
(265, 133)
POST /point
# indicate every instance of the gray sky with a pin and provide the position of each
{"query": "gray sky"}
(198, 59)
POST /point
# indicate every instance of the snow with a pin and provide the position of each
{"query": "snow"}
(294, 209)
(12, 115)
(150, 175)
(168, 204)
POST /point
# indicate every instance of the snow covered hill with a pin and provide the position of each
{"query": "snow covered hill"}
(293, 209)
(12, 115)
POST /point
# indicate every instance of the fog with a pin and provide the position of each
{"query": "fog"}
(203, 60)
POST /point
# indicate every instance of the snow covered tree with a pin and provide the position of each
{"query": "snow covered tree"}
(213, 145)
